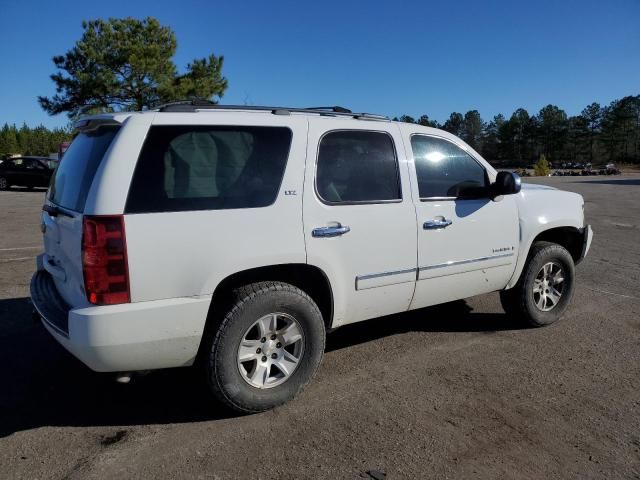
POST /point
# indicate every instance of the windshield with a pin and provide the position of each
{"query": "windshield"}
(72, 179)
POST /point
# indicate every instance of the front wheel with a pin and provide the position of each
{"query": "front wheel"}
(545, 288)
(267, 348)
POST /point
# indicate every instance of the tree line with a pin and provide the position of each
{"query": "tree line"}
(39, 141)
(597, 135)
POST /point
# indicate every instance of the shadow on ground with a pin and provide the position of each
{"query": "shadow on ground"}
(449, 317)
(43, 385)
(621, 181)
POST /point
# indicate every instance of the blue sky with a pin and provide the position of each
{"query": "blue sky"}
(388, 57)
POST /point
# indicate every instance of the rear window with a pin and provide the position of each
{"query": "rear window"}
(72, 179)
(208, 168)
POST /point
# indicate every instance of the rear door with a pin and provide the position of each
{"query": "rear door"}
(68, 192)
(359, 220)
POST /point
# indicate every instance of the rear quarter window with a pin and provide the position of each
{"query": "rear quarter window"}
(73, 176)
(208, 168)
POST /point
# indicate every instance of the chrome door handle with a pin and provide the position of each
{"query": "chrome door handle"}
(334, 231)
(435, 224)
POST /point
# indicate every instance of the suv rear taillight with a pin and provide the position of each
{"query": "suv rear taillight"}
(104, 260)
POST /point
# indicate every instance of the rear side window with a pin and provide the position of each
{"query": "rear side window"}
(357, 167)
(445, 170)
(209, 168)
(72, 179)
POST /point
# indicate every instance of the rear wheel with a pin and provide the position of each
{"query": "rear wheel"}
(4, 183)
(545, 287)
(266, 348)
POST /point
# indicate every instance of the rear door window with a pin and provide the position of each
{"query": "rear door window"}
(72, 179)
(209, 168)
(357, 167)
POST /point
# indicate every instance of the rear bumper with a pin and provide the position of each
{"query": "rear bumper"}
(126, 337)
(587, 236)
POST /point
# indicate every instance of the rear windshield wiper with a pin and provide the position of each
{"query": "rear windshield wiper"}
(54, 211)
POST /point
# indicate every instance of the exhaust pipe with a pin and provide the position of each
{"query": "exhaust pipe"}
(124, 377)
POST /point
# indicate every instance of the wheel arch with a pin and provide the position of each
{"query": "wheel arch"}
(569, 237)
(311, 279)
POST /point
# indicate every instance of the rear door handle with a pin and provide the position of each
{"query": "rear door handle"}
(334, 231)
(435, 224)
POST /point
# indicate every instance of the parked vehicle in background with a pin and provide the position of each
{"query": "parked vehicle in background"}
(236, 237)
(27, 172)
(610, 169)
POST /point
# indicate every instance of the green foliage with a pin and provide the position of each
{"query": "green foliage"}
(454, 124)
(620, 129)
(407, 119)
(31, 141)
(472, 128)
(425, 122)
(541, 168)
(598, 135)
(126, 64)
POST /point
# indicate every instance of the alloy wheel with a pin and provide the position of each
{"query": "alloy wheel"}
(270, 350)
(548, 286)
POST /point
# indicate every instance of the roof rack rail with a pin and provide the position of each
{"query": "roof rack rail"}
(199, 104)
(334, 109)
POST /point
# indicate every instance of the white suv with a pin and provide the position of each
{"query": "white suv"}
(238, 236)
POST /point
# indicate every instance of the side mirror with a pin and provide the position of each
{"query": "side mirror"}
(507, 183)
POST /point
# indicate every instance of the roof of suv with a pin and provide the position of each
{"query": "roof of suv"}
(196, 106)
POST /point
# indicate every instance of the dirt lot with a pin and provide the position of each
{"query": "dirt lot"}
(456, 391)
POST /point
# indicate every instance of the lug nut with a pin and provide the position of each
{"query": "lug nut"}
(278, 345)
(263, 339)
(273, 337)
(264, 359)
(258, 350)
(273, 355)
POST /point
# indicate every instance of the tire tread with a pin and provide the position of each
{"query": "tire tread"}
(515, 300)
(243, 295)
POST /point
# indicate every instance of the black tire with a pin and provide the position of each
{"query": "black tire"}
(251, 303)
(519, 302)
(4, 183)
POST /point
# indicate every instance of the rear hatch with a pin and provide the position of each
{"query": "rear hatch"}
(64, 208)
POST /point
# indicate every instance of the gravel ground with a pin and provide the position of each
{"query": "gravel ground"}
(455, 391)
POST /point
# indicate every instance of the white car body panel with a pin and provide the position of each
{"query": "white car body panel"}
(386, 263)
(542, 208)
(136, 336)
(475, 254)
(372, 268)
(116, 168)
(181, 254)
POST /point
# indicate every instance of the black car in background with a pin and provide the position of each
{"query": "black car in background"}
(26, 172)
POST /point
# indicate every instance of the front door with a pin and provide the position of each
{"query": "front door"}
(467, 242)
(359, 218)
